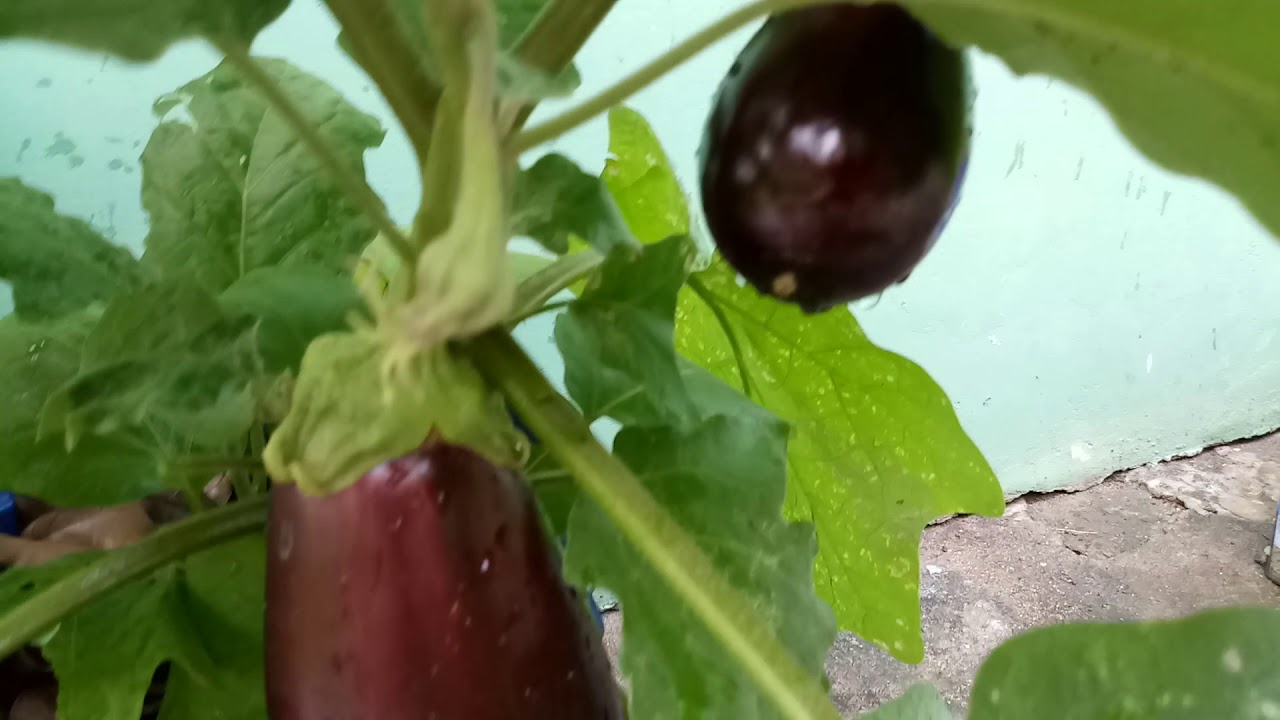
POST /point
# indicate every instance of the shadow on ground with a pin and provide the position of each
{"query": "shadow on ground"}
(1156, 542)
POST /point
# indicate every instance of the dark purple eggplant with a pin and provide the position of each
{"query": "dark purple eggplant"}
(834, 152)
(426, 590)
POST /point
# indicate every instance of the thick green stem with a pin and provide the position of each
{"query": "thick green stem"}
(534, 292)
(46, 608)
(645, 76)
(550, 44)
(375, 33)
(668, 549)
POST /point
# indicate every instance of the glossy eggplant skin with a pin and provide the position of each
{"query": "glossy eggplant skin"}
(425, 590)
(834, 152)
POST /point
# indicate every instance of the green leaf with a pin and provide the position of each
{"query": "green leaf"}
(723, 481)
(919, 702)
(165, 358)
(876, 454)
(348, 415)
(876, 451)
(233, 189)
(1217, 664)
(1195, 89)
(554, 200)
(641, 179)
(616, 339)
(225, 595)
(55, 264)
(295, 305)
(136, 29)
(35, 360)
(203, 615)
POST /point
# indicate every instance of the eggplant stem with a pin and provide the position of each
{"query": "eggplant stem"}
(44, 609)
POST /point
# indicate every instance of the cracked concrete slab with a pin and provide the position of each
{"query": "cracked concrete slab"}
(1159, 541)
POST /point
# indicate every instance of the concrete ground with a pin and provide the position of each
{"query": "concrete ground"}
(1155, 542)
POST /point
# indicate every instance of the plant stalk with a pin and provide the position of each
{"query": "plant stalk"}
(668, 549)
(550, 44)
(356, 189)
(374, 31)
(648, 74)
(46, 608)
(533, 293)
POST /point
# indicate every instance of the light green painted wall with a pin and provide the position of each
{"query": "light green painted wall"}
(1085, 310)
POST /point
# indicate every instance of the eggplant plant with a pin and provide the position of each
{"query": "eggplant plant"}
(396, 461)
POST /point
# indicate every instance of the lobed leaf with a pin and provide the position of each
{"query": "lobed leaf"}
(35, 360)
(555, 200)
(714, 460)
(723, 481)
(230, 188)
(56, 264)
(617, 339)
(166, 359)
(877, 452)
(202, 615)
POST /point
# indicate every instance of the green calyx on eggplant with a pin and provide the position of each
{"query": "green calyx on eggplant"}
(425, 590)
(835, 151)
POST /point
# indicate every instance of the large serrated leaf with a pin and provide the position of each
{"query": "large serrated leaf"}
(1217, 664)
(166, 359)
(723, 481)
(137, 29)
(1193, 84)
(877, 452)
(616, 339)
(35, 360)
(203, 615)
(54, 263)
(230, 187)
